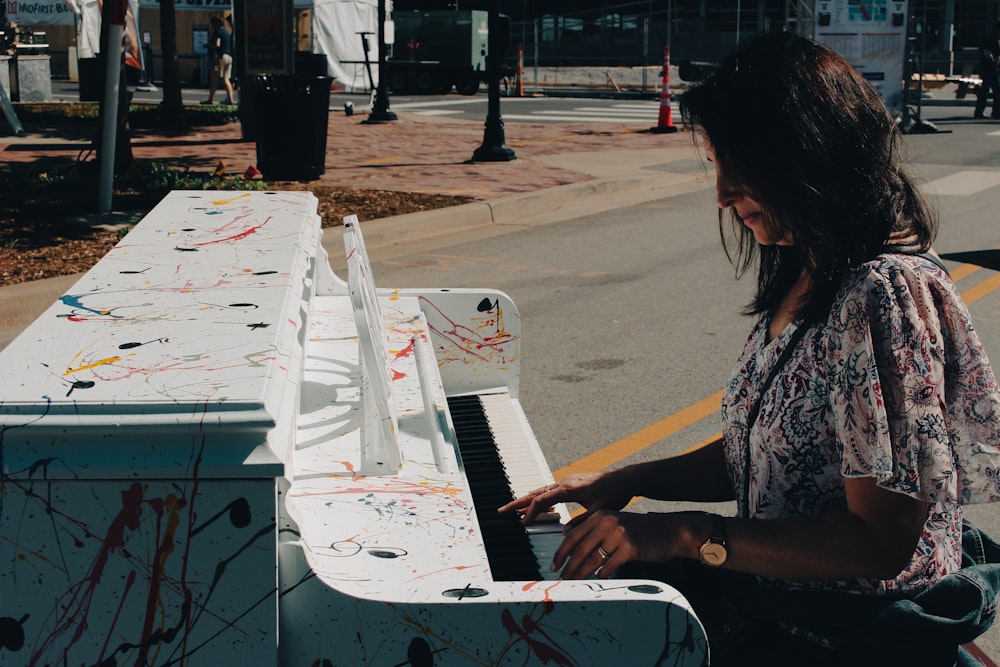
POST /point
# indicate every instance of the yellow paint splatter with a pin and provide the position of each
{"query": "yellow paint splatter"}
(102, 362)
(223, 202)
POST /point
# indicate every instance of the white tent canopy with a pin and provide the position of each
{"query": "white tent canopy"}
(335, 28)
(88, 39)
(336, 25)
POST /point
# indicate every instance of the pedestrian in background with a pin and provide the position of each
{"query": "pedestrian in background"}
(221, 41)
(8, 37)
(861, 416)
(989, 71)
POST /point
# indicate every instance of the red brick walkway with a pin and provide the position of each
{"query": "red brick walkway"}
(412, 154)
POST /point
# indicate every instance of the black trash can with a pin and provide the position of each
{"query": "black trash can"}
(91, 79)
(291, 123)
(248, 109)
(311, 64)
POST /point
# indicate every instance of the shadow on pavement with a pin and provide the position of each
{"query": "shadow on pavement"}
(988, 259)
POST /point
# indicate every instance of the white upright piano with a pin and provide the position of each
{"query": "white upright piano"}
(214, 451)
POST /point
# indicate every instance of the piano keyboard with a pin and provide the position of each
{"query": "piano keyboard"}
(500, 466)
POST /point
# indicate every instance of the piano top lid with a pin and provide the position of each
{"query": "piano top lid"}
(191, 323)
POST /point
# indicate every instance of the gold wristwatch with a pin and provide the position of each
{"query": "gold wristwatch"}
(713, 552)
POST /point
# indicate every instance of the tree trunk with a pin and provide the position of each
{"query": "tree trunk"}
(173, 104)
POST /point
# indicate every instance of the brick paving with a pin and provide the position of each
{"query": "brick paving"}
(413, 154)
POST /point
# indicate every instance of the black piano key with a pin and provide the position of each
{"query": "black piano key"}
(508, 547)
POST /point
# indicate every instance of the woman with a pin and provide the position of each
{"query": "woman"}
(989, 72)
(222, 47)
(880, 416)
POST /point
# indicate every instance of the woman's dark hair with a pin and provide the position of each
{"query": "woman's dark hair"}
(796, 128)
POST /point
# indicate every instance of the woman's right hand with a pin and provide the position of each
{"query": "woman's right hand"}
(595, 491)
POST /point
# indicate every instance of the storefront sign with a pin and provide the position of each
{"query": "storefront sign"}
(40, 12)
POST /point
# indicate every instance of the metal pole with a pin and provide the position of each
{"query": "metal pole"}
(739, 13)
(524, 19)
(911, 124)
(381, 113)
(535, 24)
(112, 74)
(923, 54)
(670, 21)
(645, 50)
(494, 148)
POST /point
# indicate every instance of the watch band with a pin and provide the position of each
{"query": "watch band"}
(714, 552)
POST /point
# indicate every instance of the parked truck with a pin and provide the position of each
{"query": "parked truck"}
(434, 51)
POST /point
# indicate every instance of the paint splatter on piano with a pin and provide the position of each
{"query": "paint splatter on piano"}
(214, 449)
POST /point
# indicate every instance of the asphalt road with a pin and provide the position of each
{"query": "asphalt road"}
(631, 318)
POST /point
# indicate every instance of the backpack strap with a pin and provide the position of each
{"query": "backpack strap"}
(932, 258)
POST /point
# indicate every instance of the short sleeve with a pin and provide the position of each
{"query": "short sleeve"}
(913, 398)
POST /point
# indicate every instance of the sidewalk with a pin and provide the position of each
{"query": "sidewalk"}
(560, 172)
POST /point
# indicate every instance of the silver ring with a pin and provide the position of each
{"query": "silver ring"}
(602, 553)
(546, 489)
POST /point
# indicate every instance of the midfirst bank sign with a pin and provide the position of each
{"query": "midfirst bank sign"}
(40, 12)
(62, 12)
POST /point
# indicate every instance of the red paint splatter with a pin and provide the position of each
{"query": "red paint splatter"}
(406, 351)
(235, 237)
(76, 609)
(544, 652)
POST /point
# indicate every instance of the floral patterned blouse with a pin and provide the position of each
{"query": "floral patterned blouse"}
(895, 385)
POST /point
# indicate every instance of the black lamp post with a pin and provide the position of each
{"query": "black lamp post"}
(381, 112)
(494, 148)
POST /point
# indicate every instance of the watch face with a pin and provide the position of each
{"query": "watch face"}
(713, 554)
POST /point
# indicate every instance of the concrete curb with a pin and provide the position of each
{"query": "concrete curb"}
(24, 302)
(418, 232)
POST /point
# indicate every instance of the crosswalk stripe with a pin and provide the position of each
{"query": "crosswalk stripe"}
(638, 105)
(577, 119)
(640, 112)
(628, 111)
(596, 112)
(963, 183)
(439, 103)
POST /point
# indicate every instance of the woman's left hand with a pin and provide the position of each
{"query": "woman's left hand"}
(599, 543)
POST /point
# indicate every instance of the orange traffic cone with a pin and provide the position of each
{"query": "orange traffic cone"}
(520, 71)
(665, 121)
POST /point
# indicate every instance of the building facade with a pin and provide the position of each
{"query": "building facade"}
(944, 33)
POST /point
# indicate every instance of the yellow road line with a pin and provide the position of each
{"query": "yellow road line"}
(977, 292)
(629, 445)
(638, 441)
(707, 441)
(963, 271)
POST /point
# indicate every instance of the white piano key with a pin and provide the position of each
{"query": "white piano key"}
(545, 539)
(525, 465)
